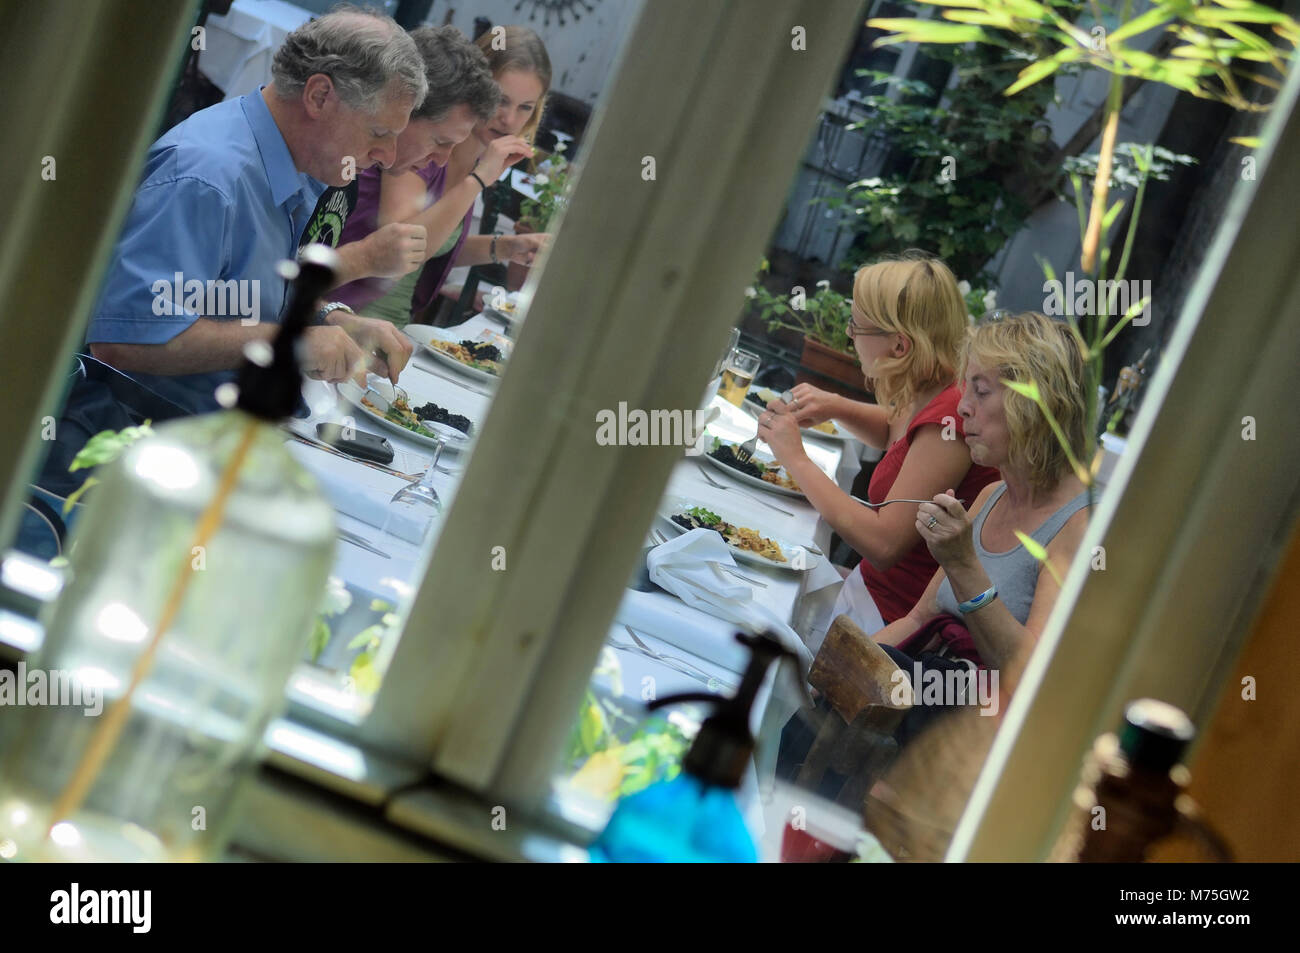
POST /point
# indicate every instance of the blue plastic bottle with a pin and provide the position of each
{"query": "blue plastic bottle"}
(695, 818)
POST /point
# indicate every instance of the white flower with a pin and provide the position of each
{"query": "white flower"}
(990, 300)
(560, 145)
(750, 292)
(337, 597)
(540, 179)
(823, 284)
(964, 288)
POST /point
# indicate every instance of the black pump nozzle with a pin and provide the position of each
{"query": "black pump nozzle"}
(270, 382)
(721, 751)
(1155, 734)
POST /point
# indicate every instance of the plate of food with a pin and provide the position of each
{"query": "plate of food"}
(747, 543)
(480, 359)
(758, 398)
(410, 415)
(762, 470)
(508, 307)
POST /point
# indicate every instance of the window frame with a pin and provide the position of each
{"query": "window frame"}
(1188, 560)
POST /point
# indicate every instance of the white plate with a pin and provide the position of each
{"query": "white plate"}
(453, 439)
(677, 505)
(841, 435)
(513, 312)
(764, 458)
(424, 333)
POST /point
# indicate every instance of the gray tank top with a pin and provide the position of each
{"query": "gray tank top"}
(1015, 573)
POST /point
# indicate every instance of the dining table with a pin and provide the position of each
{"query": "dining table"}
(655, 635)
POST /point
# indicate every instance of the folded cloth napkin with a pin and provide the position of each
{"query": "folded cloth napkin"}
(682, 567)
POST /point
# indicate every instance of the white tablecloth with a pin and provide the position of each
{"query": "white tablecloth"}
(241, 44)
(662, 621)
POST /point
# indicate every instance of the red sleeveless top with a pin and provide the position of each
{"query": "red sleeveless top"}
(896, 590)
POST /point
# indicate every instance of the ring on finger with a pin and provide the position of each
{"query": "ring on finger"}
(934, 521)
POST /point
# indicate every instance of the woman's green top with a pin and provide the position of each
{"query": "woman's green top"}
(395, 306)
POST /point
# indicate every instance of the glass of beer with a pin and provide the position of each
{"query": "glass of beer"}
(737, 374)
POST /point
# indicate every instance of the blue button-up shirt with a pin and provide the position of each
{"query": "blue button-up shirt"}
(220, 204)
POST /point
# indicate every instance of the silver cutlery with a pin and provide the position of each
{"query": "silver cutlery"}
(745, 451)
(722, 486)
(876, 506)
(660, 538)
(361, 542)
(679, 665)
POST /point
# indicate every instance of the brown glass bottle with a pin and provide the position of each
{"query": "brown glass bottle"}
(1132, 796)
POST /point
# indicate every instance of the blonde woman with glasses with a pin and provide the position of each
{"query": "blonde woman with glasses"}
(908, 326)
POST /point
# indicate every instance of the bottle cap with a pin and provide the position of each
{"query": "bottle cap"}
(1155, 734)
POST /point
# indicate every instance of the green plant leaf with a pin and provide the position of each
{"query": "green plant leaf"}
(365, 636)
(76, 494)
(591, 728)
(107, 445)
(1031, 74)
(1156, 16)
(320, 637)
(1025, 389)
(905, 30)
(1038, 552)
(365, 673)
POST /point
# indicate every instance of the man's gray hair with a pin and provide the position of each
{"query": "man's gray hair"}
(360, 51)
(457, 72)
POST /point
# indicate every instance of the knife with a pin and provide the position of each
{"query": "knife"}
(349, 537)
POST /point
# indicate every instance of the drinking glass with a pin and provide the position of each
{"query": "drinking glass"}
(737, 374)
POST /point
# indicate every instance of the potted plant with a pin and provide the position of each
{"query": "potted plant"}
(551, 183)
(823, 320)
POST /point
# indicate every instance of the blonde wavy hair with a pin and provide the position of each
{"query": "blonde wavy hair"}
(914, 295)
(525, 51)
(1033, 348)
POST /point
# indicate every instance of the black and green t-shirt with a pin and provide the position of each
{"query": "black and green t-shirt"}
(325, 226)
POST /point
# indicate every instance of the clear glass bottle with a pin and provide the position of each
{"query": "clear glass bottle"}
(194, 723)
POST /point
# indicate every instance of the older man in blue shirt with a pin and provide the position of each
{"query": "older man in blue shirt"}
(224, 198)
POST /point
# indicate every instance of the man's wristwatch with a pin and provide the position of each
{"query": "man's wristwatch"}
(329, 309)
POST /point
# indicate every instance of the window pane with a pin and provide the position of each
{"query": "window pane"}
(924, 154)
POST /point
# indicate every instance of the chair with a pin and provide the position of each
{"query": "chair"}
(855, 737)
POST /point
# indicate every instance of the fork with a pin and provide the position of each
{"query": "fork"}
(722, 486)
(745, 451)
(660, 538)
(876, 506)
(676, 664)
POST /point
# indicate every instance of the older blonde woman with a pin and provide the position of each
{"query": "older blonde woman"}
(987, 578)
(908, 325)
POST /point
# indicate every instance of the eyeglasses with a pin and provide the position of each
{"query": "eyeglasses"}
(856, 330)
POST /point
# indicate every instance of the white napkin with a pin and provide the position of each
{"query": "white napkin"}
(682, 567)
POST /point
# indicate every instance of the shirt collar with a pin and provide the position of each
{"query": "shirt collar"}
(285, 180)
